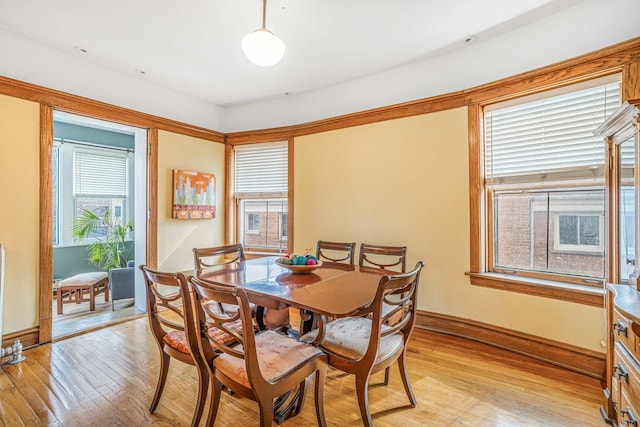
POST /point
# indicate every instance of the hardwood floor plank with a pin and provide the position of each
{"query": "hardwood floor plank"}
(107, 378)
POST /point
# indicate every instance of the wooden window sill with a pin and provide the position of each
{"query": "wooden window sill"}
(578, 294)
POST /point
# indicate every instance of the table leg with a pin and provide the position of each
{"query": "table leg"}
(285, 405)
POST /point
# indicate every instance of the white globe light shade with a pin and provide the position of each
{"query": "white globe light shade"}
(263, 48)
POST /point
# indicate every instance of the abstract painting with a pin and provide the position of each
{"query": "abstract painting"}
(194, 195)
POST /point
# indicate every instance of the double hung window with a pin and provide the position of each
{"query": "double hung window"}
(545, 183)
(261, 196)
(95, 179)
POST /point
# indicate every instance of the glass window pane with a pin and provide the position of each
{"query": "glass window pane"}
(261, 226)
(99, 207)
(568, 229)
(554, 232)
(589, 230)
(627, 208)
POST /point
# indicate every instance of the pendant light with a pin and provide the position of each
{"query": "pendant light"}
(261, 46)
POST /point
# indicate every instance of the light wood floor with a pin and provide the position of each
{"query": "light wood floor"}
(76, 318)
(107, 378)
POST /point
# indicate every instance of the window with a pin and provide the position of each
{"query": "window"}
(96, 179)
(261, 195)
(575, 233)
(544, 183)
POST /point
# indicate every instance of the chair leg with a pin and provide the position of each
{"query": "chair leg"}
(265, 404)
(386, 375)
(321, 375)
(362, 391)
(402, 363)
(216, 391)
(203, 388)
(165, 359)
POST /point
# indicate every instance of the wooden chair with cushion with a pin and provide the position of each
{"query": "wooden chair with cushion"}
(390, 258)
(212, 258)
(335, 252)
(365, 344)
(261, 367)
(170, 309)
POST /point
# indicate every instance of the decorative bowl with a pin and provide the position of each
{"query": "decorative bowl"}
(300, 269)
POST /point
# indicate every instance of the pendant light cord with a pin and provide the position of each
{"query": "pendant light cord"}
(264, 14)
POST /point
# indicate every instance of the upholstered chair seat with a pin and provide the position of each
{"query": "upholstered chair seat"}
(178, 339)
(349, 338)
(276, 357)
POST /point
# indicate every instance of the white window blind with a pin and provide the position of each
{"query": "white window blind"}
(99, 174)
(549, 139)
(261, 170)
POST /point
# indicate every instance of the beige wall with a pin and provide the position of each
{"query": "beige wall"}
(405, 182)
(19, 210)
(177, 238)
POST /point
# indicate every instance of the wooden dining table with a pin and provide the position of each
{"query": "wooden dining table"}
(336, 290)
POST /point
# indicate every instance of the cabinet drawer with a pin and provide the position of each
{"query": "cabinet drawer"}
(615, 396)
(622, 332)
(627, 414)
(627, 372)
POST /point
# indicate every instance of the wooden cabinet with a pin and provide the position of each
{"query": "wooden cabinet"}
(622, 378)
(622, 393)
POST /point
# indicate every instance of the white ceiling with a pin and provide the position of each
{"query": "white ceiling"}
(193, 48)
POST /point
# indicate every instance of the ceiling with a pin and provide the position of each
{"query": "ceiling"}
(194, 46)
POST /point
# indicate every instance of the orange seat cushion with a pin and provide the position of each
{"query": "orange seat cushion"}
(178, 339)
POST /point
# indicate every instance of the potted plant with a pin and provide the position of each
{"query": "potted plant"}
(109, 251)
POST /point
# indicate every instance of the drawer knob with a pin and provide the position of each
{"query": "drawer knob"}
(620, 328)
(628, 417)
(620, 372)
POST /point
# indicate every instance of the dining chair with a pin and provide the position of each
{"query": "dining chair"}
(204, 258)
(342, 253)
(336, 252)
(392, 258)
(364, 344)
(170, 310)
(261, 366)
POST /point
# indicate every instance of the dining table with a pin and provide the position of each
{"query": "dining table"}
(333, 289)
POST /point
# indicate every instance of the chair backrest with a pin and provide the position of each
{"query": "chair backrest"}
(170, 306)
(392, 258)
(215, 256)
(214, 322)
(396, 293)
(336, 252)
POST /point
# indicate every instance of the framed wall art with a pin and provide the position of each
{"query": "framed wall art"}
(194, 195)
